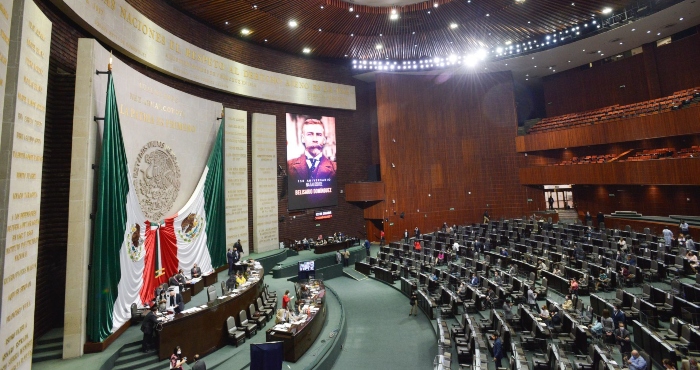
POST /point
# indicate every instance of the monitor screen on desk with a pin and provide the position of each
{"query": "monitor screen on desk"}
(306, 266)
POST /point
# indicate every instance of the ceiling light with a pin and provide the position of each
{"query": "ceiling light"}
(378, 46)
(321, 6)
(487, 14)
(681, 19)
(658, 34)
(265, 40)
(357, 16)
(634, 29)
(351, 9)
(435, 5)
(453, 25)
(352, 35)
(293, 24)
(394, 16)
(245, 32)
(648, 31)
(226, 22)
(606, 10)
(307, 50)
(255, 6)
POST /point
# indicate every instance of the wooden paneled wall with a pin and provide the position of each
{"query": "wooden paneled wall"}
(671, 68)
(364, 191)
(649, 200)
(447, 150)
(674, 123)
(667, 172)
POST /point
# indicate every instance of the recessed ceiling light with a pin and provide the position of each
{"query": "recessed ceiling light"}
(428, 11)
(648, 31)
(435, 5)
(319, 30)
(681, 19)
(394, 17)
(487, 14)
(293, 24)
(658, 34)
(573, 4)
(453, 25)
(245, 32)
(380, 35)
(351, 9)
(307, 50)
(357, 16)
(226, 22)
(321, 6)
(620, 43)
(606, 10)
(378, 46)
(265, 40)
(352, 35)
(414, 32)
(255, 6)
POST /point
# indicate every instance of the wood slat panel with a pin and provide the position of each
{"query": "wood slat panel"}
(450, 138)
(654, 172)
(675, 123)
(364, 191)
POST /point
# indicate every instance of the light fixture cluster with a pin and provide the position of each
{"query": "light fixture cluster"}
(469, 60)
(549, 40)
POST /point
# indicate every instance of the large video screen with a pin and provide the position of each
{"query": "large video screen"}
(311, 165)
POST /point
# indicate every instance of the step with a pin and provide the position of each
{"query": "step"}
(133, 356)
(354, 274)
(44, 340)
(44, 347)
(158, 366)
(140, 364)
(47, 355)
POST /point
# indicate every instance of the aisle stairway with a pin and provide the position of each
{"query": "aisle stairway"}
(567, 216)
(354, 274)
(131, 357)
(48, 347)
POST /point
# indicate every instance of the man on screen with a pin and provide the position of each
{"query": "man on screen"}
(312, 175)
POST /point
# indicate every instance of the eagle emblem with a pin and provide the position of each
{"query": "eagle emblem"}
(156, 179)
(133, 243)
(190, 227)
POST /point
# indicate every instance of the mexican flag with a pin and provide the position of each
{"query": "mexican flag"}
(133, 255)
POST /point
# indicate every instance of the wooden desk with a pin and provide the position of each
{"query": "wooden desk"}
(196, 287)
(205, 331)
(332, 247)
(297, 342)
(210, 279)
(186, 296)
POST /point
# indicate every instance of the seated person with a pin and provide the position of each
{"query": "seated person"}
(491, 297)
(440, 258)
(240, 280)
(497, 279)
(231, 283)
(196, 272)
(573, 288)
(462, 291)
(637, 362)
(568, 304)
(631, 260)
(557, 271)
(162, 300)
(304, 292)
(504, 252)
(416, 245)
(622, 245)
(508, 310)
(555, 316)
(603, 279)
(692, 259)
(181, 277)
(474, 281)
(542, 266)
(544, 315)
(433, 277)
(176, 302)
(625, 272)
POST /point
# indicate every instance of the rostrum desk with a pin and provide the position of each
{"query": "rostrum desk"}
(297, 342)
(335, 246)
(205, 331)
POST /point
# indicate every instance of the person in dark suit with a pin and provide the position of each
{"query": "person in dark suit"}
(618, 316)
(312, 170)
(239, 247)
(229, 259)
(196, 271)
(148, 327)
(198, 364)
(405, 236)
(176, 301)
(497, 349)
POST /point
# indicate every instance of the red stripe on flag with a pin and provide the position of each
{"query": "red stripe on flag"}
(168, 248)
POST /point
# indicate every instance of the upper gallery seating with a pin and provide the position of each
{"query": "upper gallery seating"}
(615, 112)
(635, 156)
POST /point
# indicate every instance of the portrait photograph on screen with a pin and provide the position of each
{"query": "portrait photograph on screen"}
(311, 162)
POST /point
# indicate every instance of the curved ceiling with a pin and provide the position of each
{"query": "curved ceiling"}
(341, 29)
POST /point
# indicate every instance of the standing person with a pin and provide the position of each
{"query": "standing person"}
(229, 258)
(176, 359)
(588, 217)
(367, 246)
(532, 299)
(486, 216)
(381, 238)
(416, 232)
(685, 229)
(285, 299)
(690, 244)
(622, 337)
(618, 315)
(414, 304)
(239, 247)
(497, 349)
(668, 237)
(551, 202)
(346, 258)
(600, 218)
(338, 257)
(405, 236)
(198, 364)
(148, 327)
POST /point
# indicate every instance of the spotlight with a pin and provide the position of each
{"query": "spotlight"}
(606, 10)
(293, 24)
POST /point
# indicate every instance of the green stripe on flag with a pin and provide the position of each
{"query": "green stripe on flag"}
(214, 205)
(113, 187)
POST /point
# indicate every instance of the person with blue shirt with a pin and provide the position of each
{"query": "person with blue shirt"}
(636, 362)
(618, 316)
(498, 349)
(474, 280)
(367, 245)
(504, 252)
